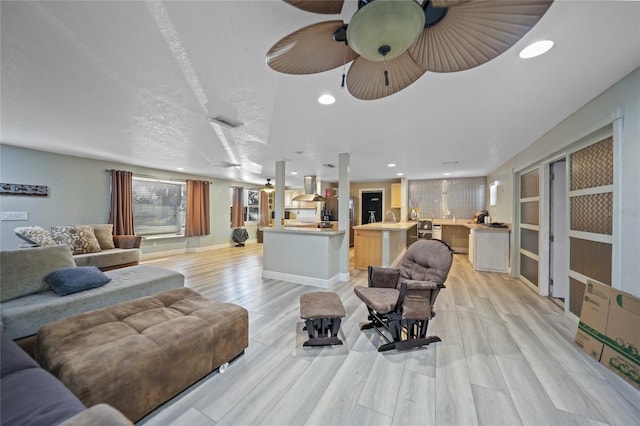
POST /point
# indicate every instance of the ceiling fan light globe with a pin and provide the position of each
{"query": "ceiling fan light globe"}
(393, 23)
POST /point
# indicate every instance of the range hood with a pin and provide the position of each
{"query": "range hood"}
(309, 191)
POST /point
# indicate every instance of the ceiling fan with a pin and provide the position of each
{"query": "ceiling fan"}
(393, 42)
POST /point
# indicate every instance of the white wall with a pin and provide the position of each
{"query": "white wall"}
(79, 193)
(623, 96)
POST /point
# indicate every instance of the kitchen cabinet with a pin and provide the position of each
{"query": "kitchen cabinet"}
(489, 250)
(456, 235)
(368, 248)
(395, 196)
(289, 203)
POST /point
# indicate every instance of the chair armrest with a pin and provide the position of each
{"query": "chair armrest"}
(383, 277)
(420, 285)
(417, 298)
(127, 241)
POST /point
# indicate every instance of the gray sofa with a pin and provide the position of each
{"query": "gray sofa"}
(125, 252)
(91, 245)
(27, 302)
(30, 396)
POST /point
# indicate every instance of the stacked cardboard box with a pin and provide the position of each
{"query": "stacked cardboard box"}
(609, 330)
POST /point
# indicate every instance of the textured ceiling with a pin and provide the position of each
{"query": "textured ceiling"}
(135, 82)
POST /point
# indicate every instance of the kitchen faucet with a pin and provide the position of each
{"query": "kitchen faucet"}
(393, 216)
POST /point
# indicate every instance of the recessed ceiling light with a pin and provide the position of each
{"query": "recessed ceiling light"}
(391, 164)
(536, 49)
(180, 168)
(400, 174)
(326, 99)
(294, 173)
(447, 174)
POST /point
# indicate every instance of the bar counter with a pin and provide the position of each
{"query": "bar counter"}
(382, 243)
(302, 255)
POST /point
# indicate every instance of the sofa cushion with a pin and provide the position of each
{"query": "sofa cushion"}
(109, 258)
(36, 235)
(80, 238)
(72, 280)
(23, 316)
(23, 270)
(104, 234)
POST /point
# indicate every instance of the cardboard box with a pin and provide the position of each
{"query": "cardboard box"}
(609, 330)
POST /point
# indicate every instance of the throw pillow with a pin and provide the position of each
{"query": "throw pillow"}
(36, 235)
(79, 238)
(104, 234)
(74, 279)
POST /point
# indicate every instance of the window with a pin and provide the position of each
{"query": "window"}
(252, 211)
(158, 206)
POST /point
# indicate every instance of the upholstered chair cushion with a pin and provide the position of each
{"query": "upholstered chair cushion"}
(426, 260)
(382, 300)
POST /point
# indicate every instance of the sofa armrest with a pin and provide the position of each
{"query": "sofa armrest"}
(101, 414)
(127, 241)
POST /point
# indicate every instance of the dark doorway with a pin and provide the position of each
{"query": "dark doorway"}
(371, 207)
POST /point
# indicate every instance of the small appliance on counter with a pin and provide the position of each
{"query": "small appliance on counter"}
(480, 216)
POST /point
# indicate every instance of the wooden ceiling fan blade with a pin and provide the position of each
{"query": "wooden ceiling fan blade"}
(310, 50)
(366, 79)
(472, 33)
(318, 6)
(447, 3)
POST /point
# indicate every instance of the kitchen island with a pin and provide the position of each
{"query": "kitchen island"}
(303, 255)
(382, 243)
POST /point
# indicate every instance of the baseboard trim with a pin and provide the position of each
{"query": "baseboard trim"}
(300, 279)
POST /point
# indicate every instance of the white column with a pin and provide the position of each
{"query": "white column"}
(344, 191)
(279, 195)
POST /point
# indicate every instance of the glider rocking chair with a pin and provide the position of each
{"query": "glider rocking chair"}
(401, 300)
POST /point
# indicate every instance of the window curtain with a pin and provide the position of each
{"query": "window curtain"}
(237, 207)
(264, 209)
(197, 221)
(121, 215)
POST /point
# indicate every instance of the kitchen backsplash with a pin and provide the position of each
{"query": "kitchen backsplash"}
(446, 198)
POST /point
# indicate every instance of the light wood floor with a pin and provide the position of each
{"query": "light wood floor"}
(506, 357)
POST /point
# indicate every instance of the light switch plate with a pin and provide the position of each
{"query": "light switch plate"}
(14, 216)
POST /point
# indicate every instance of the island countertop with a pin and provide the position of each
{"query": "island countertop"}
(305, 230)
(387, 226)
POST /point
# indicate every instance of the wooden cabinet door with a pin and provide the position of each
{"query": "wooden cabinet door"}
(395, 196)
(367, 248)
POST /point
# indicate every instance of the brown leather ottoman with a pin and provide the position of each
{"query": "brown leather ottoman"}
(138, 354)
(323, 312)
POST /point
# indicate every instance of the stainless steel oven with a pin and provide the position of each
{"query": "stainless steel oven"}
(425, 229)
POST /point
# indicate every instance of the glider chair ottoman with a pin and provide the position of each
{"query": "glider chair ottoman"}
(138, 354)
(401, 300)
(323, 313)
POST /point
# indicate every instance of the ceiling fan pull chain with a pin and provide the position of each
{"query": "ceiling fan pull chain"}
(383, 50)
(344, 65)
